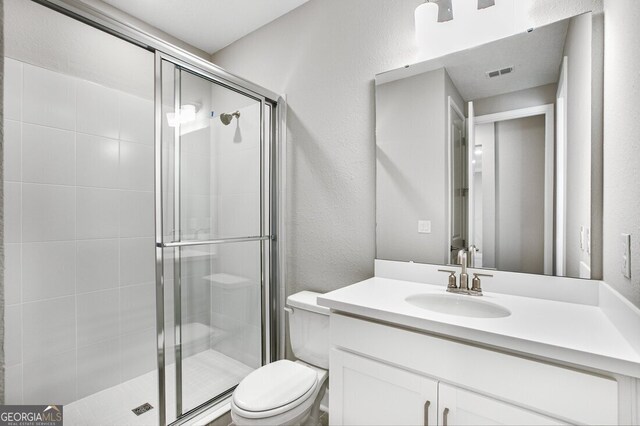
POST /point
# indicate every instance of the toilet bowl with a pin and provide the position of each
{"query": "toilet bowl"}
(289, 392)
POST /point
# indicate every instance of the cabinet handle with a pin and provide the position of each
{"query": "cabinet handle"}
(445, 413)
(426, 413)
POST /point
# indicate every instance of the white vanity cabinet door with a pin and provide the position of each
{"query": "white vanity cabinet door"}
(467, 408)
(366, 392)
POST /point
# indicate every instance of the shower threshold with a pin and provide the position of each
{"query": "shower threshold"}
(205, 375)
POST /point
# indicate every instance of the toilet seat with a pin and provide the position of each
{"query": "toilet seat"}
(300, 400)
(274, 388)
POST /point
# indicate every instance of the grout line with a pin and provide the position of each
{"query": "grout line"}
(120, 354)
(75, 233)
(83, 240)
(85, 187)
(93, 135)
(21, 242)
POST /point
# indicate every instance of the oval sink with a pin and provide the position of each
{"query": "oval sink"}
(453, 304)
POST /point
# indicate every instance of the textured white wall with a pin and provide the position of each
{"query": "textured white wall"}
(324, 56)
(542, 12)
(622, 143)
(1, 206)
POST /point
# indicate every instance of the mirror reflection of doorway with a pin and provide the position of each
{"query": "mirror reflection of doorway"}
(459, 190)
(517, 147)
(512, 180)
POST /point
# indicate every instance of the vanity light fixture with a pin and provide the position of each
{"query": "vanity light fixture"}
(445, 10)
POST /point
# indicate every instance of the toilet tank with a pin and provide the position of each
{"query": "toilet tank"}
(309, 329)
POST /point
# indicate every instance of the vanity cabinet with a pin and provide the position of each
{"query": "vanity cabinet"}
(461, 407)
(382, 374)
(374, 393)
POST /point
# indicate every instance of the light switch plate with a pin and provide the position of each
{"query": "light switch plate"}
(582, 238)
(424, 226)
(626, 255)
(588, 240)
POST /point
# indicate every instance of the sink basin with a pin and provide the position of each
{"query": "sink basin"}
(453, 304)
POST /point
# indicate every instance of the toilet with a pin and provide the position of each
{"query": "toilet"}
(289, 392)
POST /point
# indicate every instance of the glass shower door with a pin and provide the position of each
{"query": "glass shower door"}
(213, 242)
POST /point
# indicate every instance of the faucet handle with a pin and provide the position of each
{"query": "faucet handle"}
(475, 283)
(452, 278)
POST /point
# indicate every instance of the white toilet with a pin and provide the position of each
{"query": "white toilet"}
(287, 392)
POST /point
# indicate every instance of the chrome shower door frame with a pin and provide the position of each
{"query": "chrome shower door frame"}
(270, 196)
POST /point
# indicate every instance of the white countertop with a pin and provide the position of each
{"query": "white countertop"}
(571, 333)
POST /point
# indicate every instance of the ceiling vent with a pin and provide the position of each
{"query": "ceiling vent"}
(498, 73)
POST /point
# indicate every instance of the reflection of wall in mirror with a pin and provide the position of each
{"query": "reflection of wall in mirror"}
(509, 175)
(512, 236)
(485, 189)
(519, 147)
(456, 210)
(411, 167)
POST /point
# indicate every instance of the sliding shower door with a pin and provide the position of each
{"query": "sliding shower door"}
(212, 234)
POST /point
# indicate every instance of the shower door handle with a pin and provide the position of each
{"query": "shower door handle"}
(174, 244)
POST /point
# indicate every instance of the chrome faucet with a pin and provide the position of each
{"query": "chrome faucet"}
(463, 288)
(464, 277)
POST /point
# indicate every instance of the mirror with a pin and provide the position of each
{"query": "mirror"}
(494, 150)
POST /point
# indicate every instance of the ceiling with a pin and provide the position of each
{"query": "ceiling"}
(535, 56)
(208, 25)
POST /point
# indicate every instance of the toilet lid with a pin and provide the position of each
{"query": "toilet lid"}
(274, 385)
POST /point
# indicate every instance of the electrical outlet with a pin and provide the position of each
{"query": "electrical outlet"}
(626, 255)
(424, 226)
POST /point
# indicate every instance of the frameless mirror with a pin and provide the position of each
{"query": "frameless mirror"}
(495, 150)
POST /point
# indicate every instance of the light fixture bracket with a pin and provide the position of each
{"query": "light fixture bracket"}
(445, 9)
(483, 4)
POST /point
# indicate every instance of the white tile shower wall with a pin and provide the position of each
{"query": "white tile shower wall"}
(80, 296)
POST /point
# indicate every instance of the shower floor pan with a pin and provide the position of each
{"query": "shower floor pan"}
(205, 375)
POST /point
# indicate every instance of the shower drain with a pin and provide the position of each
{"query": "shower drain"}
(142, 409)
